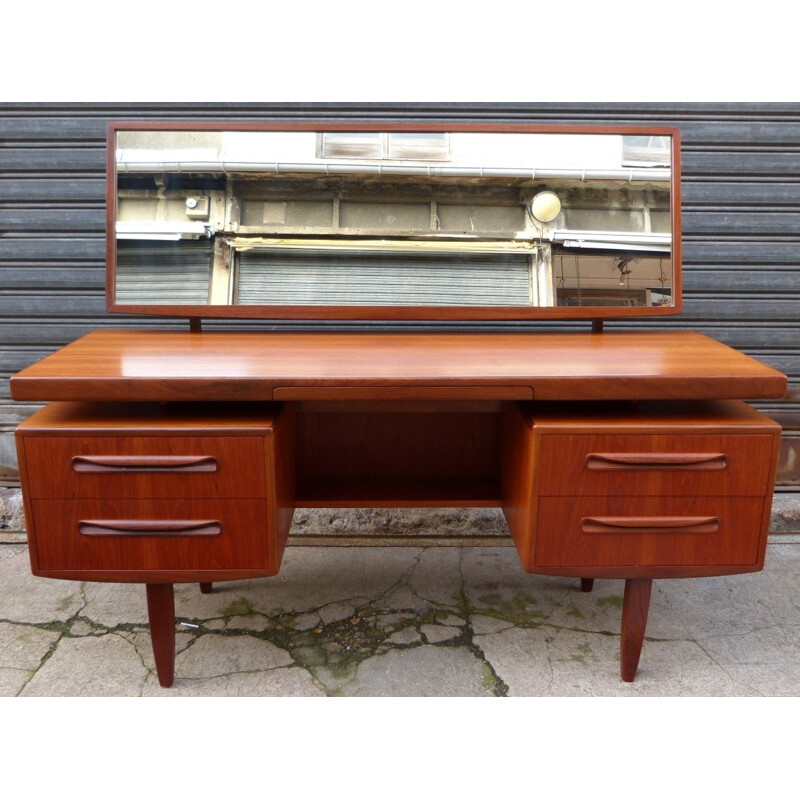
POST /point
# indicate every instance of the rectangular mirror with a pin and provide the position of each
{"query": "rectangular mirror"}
(365, 222)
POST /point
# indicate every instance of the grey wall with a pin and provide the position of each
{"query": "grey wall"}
(741, 215)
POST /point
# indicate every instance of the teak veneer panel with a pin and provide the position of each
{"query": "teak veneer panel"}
(397, 445)
(146, 466)
(653, 417)
(229, 523)
(569, 520)
(654, 464)
(242, 366)
(115, 418)
(566, 537)
(243, 541)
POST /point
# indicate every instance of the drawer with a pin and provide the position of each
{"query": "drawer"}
(104, 535)
(654, 464)
(650, 531)
(145, 466)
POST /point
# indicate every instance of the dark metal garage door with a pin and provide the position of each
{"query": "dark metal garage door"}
(741, 225)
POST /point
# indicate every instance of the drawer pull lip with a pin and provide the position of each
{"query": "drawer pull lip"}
(144, 464)
(649, 524)
(149, 527)
(668, 461)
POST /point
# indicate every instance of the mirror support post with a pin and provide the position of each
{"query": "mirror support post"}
(195, 324)
(597, 326)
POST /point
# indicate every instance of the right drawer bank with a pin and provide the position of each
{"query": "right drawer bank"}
(639, 489)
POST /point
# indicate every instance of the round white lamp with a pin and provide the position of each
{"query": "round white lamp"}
(545, 206)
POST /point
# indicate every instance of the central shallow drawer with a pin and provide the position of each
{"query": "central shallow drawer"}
(652, 531)
(645, 464)
(146, 466)
(145, 534)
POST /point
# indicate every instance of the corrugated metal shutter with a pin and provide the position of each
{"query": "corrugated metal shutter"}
(164, 272)
(741, 222)
(281, 276)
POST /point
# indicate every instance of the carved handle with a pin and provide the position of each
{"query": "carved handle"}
(644, 461)
(144, 464)
(649, 524)
(147, 527)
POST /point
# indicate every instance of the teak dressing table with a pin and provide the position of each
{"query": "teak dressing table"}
(180, 456)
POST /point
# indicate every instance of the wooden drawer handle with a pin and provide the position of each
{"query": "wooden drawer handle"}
(144, 464)
(147, 527)
(642, 461)
(649, 524)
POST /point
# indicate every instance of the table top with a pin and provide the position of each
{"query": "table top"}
(136, 365)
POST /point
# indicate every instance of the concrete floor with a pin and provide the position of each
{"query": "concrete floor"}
(403, 621)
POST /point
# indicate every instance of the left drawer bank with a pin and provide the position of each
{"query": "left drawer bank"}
(157, 493)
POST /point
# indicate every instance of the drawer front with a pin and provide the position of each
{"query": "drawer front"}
(651, 531)
(640, 464)
(145, 466)
(89, 535)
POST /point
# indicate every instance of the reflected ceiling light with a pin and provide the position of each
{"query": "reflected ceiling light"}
(545, 206)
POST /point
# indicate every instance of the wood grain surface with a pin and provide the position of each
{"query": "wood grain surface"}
(243, 541)
(240, 466)
(552, 493)
(567, 464)
(161, 615)
(159, 365)
(635, 609)
(648, 531)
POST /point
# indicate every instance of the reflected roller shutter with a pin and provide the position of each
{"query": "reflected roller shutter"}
(164, 272)
(310, 276)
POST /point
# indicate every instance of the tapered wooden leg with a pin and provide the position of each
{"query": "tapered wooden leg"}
(161, 611)
(206, 588)
(635, 605)
(587, 584)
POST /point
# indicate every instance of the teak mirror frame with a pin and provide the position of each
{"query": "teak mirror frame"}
(397, 312)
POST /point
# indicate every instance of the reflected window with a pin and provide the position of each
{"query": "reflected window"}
(429, 146)
(646, 151)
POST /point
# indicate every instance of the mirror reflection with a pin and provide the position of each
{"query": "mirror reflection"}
(364, 218)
